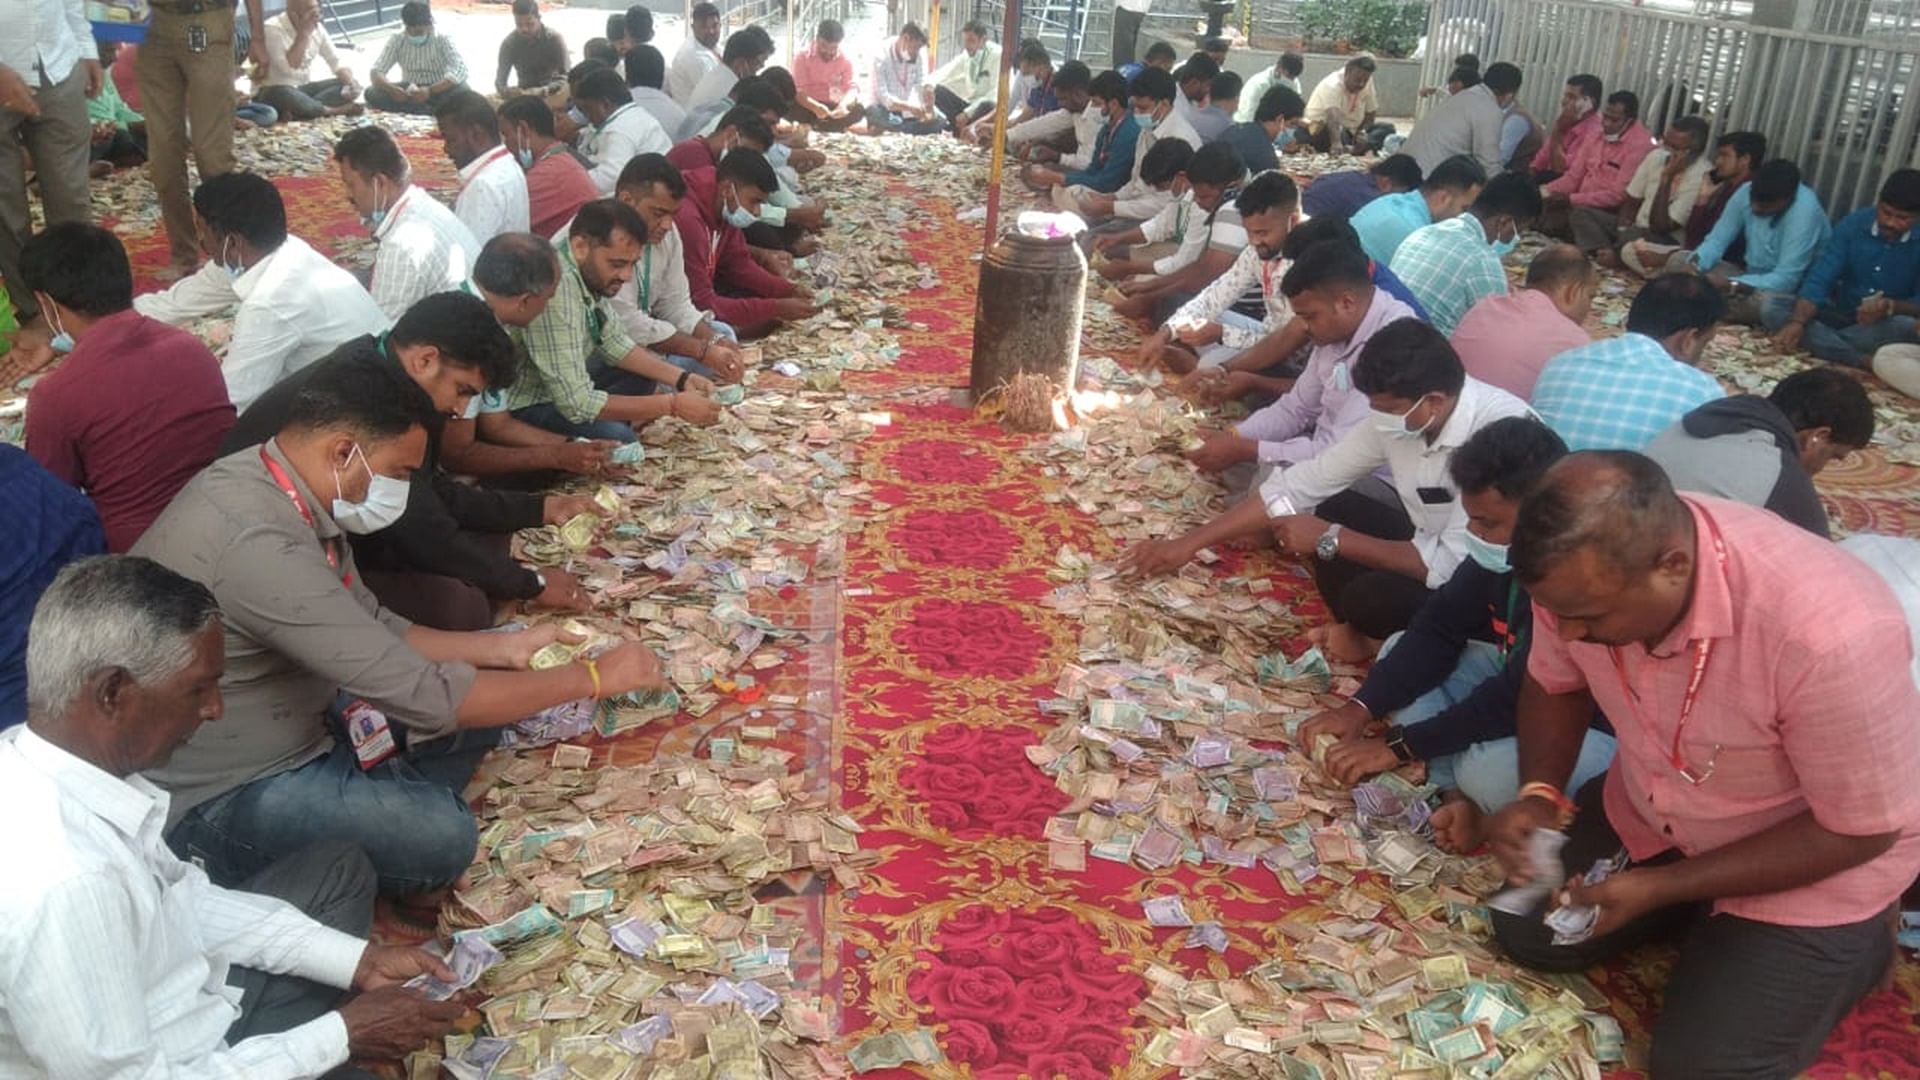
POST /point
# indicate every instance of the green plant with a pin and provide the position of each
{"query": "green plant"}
(1383, 27)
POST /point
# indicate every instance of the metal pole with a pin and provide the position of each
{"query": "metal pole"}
(933, 34)
(1009, 44)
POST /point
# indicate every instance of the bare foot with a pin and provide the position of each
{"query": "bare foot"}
(1349, 646)
(1458, 824)
(99, 170)
(1607, 258)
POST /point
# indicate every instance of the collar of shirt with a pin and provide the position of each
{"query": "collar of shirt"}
(1873, 230)
(1710, 613)
(129, 804)
(1466, 418)
(292, 249)
(324, 526)
(591, 313)
(479, 165)
(395, 212)
(1382, 310)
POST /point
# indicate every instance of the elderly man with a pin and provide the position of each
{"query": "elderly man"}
(1763, 791)
(116, 953)
(1659, 200)
(1341, 110)
(295, 39)
(424, 248)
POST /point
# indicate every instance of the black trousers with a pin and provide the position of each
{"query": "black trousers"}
(1126, 35)
(1747, 1000)
(1377, 603)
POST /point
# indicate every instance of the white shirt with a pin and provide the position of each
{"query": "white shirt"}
(56, 35)
(661, 107)
(897, 79)
(1183, 223)
(668, 309)
(493, 196)
(1439, 528)
(295, 306)
(1248, 272)
(280, 37)
(717, 83)
(424, 249)
(115, 954)
(1086, 131)
(1136, 199)
(1331, 93)
(1680, 200)
(974, 76)
(629, 132)
(692, 62)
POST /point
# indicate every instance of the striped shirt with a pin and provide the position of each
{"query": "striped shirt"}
(1619, 393)
(1449, 267)
(422, 63)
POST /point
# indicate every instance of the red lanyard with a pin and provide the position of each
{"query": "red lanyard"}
(1702, 652)
(1266, 278)
(285, 482)
(494, 155)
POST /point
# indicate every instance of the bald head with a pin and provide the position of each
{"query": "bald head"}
(1567, 277)
(1606, 546)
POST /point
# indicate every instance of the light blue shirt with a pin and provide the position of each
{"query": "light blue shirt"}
(1513, 131)
(1617, 394)
(1779, 248)
(1389, 219)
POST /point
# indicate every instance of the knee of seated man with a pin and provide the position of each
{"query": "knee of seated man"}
(1725, 1053)
(439, 843)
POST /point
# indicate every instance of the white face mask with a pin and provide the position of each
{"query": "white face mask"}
(1394, 425)
(386, 500)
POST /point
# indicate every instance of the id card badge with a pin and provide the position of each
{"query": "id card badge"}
(196, 39)
(367, 730)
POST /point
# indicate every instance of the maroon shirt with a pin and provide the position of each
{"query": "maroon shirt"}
(689, 154)
(129, 417)
(716, 256)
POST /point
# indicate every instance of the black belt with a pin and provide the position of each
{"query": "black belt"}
(190, 7)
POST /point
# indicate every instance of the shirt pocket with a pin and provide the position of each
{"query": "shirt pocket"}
(1748, 771)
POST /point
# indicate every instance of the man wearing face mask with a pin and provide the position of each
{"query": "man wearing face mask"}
(557, 184)
(1446, 193)
(430, 66)
(1211, 328)
(656, 306)
(1375, 563)
(1619, 393)
(584, 375)
(1598, 177)
(294, 305)
(493, 186)
(722, 275)
(423, 248)
(620, 130)
(348, 722)
(1153, 92)
(137, 407)
(444, 563)
(1214, 177)
(1444, 691)
(1452, 265)
(1108, 160)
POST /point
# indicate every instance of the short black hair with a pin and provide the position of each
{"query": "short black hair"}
(529, 110)
(1364, 63)
(1320, 230)
(759, 95)
(1457, 173)
(646, 67)
(1401, 170)
(415, 13)
(1617, 503)
(1226, 86)
(1502, 78)
(1467, 60)
(1559, 264)
(1154, 84)
(463, 328)
(516, 264)
(246, 205)
(604, 85)
(1032, 52)
(596, 51)
(1747, 144)
(830, 30)
(749, 122)
(912, 30)
(1279, 103)
(1159, 50)
(1674, 302)
(1776, 180)
(1216, 163)
(1589, 86)
(1695, 128)
(1328, 267)
(83, 267)
(1407, 359)
(1216, 44)
(643, 172)
(1825, 397)
(746, 43)
(1073, 75)
(1466, 77)
(1628, 101)
(372, 401)
(466, 108)
(1507, 457)
(976, 28)
(1510, 194)
(1108, 86)
(1901, 190)
(639, 23)
(371, 151)
(1165, 160)
(617, 26)
(1293, 64)
(526, 7)
(705, 9)
(1198, 68)
(749, 167)
(598, 220)
(1271, 190)
(782, 82)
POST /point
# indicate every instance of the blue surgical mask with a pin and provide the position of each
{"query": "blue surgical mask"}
(473, 408)
(385, 501)
(61, 342)
(777, 154)
(1491, 557)
(234, 270)
(418, 38)
(524, 156)
(373, 218)
(1504, 248)
(1145, 121)
(738, 216)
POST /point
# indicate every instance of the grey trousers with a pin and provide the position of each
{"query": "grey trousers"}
(333, 883)
(1594, 230)
(61, 141)
(1747, 1000)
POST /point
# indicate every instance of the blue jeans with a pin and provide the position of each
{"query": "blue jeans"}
(406, 813)
(879, 119)
(605, 377)
(262, 114)
(1487, 772)
(1833, 334)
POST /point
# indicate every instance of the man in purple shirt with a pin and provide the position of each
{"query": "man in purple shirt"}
(1339, 195)
(1331, 291)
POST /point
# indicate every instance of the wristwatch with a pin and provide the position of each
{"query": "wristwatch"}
(1397, 742)
(1328, 548)
(541, 579)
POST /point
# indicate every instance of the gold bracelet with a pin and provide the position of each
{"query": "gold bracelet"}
(593, 672)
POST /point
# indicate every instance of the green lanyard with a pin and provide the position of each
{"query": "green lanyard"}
(646, 278)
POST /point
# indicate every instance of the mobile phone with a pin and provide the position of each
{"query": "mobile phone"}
(196, 39)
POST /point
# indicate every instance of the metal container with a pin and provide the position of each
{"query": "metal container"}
(1032, 297)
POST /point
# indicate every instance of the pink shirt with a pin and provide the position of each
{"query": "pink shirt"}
(1810, 707)
(825, 81)
(1505, 340)
(1599, 174)
(1577, 136)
